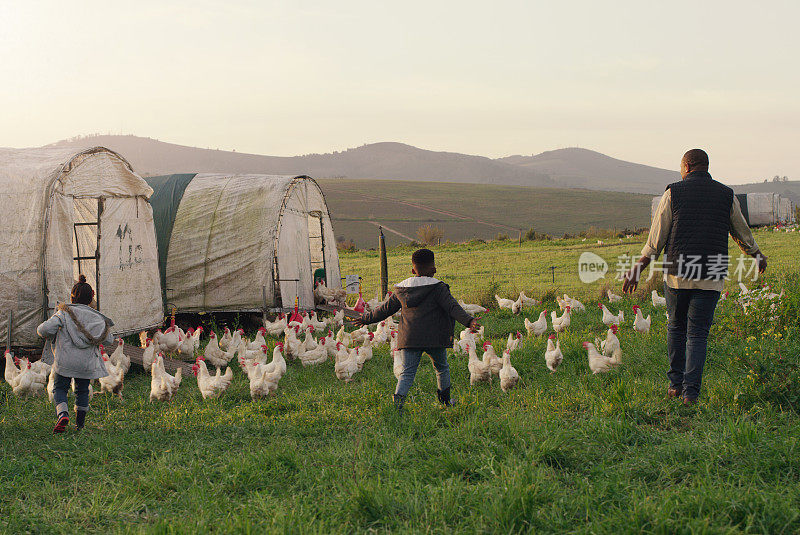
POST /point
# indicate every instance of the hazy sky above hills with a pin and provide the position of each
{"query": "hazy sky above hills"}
(641, 81)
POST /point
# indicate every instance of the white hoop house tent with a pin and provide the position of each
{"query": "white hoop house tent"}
(66, 213)
(242, 243)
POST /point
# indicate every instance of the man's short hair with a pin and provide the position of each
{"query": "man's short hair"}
(422, 258)
(696, 158)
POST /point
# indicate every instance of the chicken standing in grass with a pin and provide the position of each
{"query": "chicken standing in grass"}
(598, 363)
(215, 355)
(527, 301)
(514, 306)
(560, 323)
(163, 385)
(514, 339)
(115, 380)
(491, 359)
(609, 318)
(612, 297)
(508, 374)
(538, 327)
(472, 309)
(479, 371)
(640, 323)
(658, 301)
(346, 365)
(611, 347)
(119, 358)
(552, 355)
(211, 386)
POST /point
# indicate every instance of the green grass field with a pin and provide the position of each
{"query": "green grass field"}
(564, 452)
(466, 211)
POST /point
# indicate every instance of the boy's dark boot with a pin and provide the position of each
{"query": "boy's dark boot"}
(80, 419)
(444, 397)
(398, 402)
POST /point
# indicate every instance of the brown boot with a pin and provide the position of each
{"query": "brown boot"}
(674, 392)
(690, 402)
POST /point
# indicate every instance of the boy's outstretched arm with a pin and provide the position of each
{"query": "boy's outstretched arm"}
(451, 307)
(389, 308)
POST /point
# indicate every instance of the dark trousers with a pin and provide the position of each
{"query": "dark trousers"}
(60, 393)
(691, 313)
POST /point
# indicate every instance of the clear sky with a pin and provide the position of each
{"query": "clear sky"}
(638, 80)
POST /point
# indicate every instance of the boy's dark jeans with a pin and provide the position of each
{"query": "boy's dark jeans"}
(691, 313)
(411, 358)
(60, 393)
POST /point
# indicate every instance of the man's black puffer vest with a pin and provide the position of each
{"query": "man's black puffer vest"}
(701, 218)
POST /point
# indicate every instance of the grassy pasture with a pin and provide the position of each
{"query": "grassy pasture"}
(564, 452)
(467, 211)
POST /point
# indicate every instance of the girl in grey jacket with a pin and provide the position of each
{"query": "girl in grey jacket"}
(75, 333)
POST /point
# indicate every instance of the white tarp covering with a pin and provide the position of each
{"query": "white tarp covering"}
(761, 209)
(228, 231)
(785, 210)
(45, 192)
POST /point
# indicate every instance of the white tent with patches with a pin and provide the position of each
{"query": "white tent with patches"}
(64, 213)
(242, 243)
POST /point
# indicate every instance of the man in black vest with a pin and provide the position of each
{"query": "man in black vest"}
(691, 225)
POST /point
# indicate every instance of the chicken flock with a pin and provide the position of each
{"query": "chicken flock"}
(350, 350)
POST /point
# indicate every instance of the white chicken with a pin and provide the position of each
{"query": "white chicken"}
(11, 370)
(346, 364)
(479, 371)
(640, 323)
(337, 320)
(163, 385)
(225, 340)
(657, 300)
(611, 347)
(472, 310)
(277, 365)
(187, 347)
(119, 358)
(169, 340)
(332, 296)
(364, 353)
(538, 327)
(612, 297)
(215, 355)
(491, 359)
(527, 301)
(512, 344)
(264, 383)
(317, 355)
(274, 328)
(28, 382)
(609, 318)
(315, 322)
(574, 304)
(514, 306)
(560, 323)
(552, 355)
(508, 374)
(114, 381)
(291, 342)
(149, 354)
(597, 363)
(211, 386)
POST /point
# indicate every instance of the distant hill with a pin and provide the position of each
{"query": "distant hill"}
(583, 168)
(392, 161)
(789, 189)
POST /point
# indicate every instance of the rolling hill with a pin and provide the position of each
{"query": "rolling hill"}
(382, 161)
(583, 168)
(563, 168)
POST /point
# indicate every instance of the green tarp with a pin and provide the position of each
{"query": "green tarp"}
(167, 194)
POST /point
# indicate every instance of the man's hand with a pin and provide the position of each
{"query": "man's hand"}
(474, 325)
(762, 262)
(358, 322)
(631, 279)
